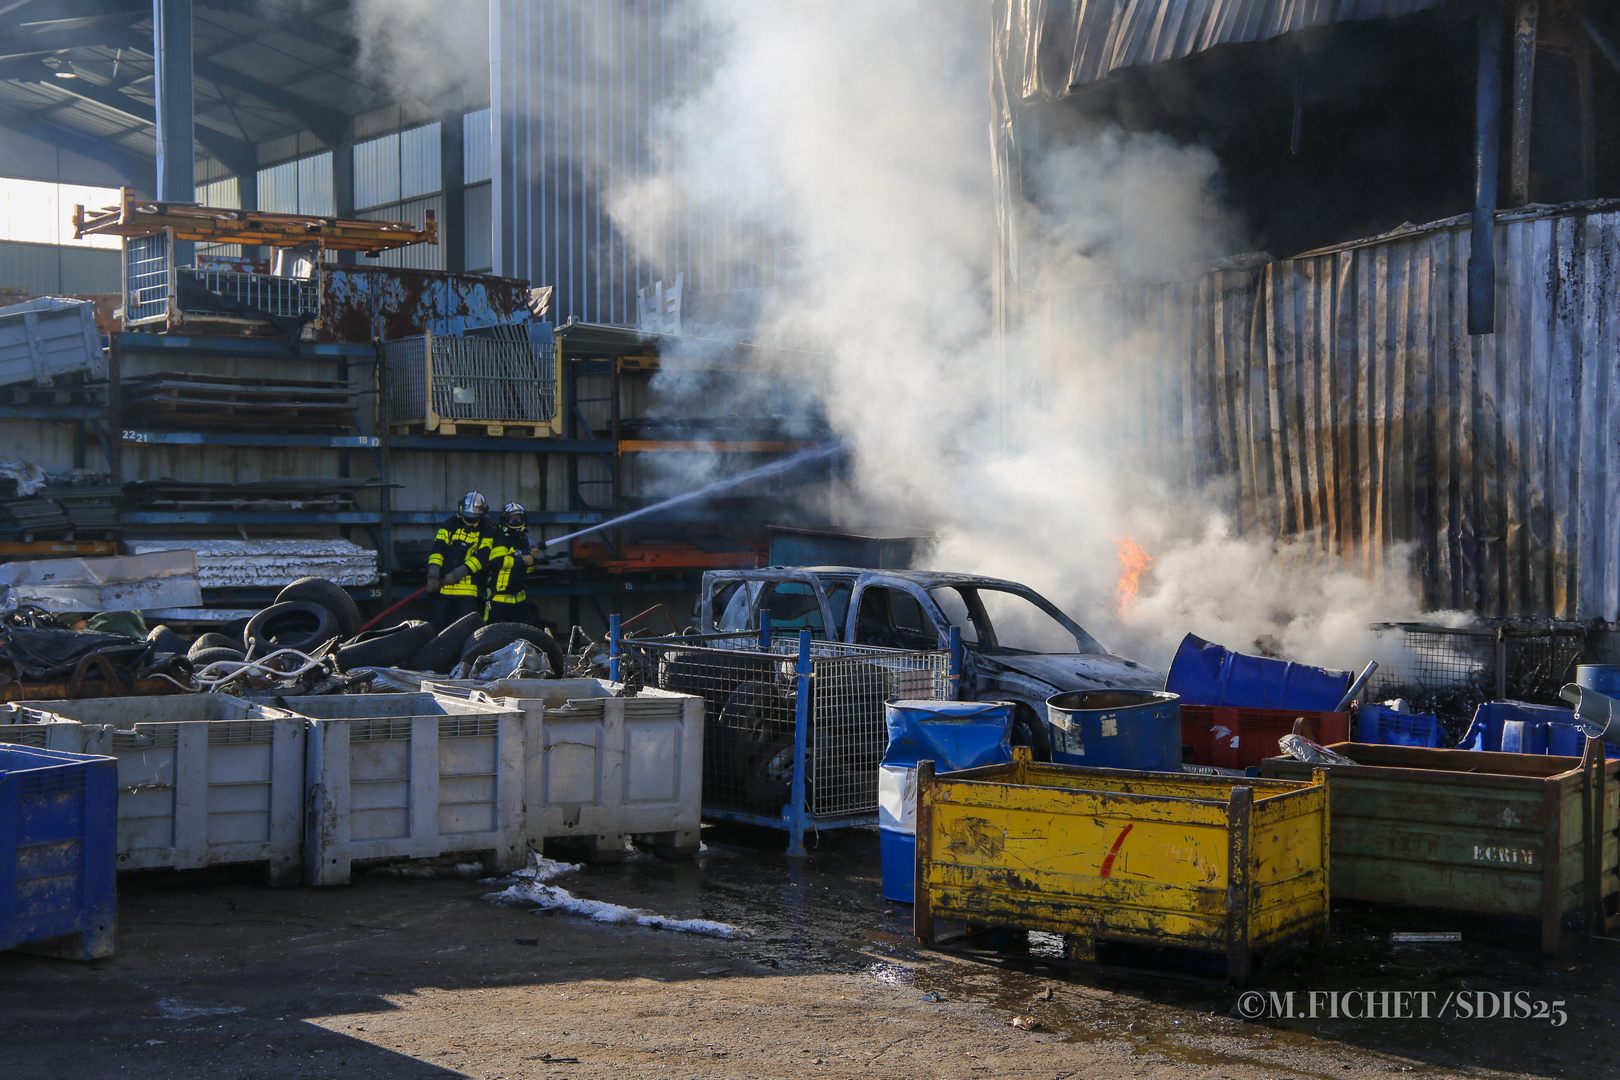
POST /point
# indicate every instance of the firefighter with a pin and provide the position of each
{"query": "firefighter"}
(454, 592)
(504, 560)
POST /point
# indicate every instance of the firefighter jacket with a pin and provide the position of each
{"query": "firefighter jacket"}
(503, 559)
(456, 539)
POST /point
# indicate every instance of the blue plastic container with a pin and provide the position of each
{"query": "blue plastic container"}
(1485, 733)
(1204, 673)
(953, 735)
(58, 851)
(1382, 724)
(1116, 729)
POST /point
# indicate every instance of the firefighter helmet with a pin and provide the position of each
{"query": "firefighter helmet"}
(473, 505)
(513, 516)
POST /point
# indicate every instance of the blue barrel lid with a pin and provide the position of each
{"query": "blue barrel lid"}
(953, 734)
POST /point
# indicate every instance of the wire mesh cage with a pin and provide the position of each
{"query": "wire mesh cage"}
(1449, 670)
(755, 693)
(147, 283)
(283, 297)
(436, 381)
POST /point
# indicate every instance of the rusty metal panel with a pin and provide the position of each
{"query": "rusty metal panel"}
(1497, 834)
(1211, 863)
(363, 303)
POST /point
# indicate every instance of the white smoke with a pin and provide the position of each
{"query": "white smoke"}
(855, 134)
(846, 145)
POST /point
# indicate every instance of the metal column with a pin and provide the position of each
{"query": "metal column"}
(171, 76)
(453, 185)
(1524, 81)
(1487, 162)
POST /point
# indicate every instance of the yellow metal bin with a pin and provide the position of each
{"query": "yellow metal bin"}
(1222, 864)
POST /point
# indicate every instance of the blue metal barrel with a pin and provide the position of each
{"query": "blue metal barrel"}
(953, 735)
(1205, 673)
(1116, 729)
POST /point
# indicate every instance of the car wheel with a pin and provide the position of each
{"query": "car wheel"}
(330, 595)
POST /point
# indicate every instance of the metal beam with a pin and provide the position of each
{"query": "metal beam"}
(1487, 162)
(325, 124)
(1524, 82)
(230, 150)
(171, 78)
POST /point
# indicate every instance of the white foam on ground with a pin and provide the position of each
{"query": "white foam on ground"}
(529, 886)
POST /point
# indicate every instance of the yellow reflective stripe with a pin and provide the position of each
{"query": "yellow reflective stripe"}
(472, 561)
(442, 536)
(464, 587)
(435, 559)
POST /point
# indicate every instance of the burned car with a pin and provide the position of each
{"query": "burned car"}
(1016, 645)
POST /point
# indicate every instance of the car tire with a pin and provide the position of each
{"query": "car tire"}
(330, 595)
(164, 640)
(441, 654)
(214, 640)
(491, 636)
(391, 646)
(201, 658)
(291, 624)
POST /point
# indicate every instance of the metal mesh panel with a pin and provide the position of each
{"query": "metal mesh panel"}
(750, 700)
(146, 278)
(284, 297)
(509, 380)
(1450, 670)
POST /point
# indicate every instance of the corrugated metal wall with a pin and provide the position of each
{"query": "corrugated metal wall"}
(57, 268)
(1343, 394)
(574, 87)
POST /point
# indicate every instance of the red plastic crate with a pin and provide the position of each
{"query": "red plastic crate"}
(1235, 738)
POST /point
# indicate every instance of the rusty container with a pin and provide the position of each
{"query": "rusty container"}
(1460, 830)
(1217, 864)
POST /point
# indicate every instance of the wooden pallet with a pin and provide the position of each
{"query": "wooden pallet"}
(493, 428)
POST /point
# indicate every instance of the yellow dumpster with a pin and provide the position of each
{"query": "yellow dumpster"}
(1215, 863)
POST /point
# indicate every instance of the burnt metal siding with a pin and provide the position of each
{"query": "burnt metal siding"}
(575, 87)
(1060, 44)
(1342, 395)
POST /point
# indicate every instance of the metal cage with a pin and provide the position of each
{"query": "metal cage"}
(794, 728)
(1448, 670)
(436, 382)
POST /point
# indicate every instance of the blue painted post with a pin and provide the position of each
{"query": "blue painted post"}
(175, 131)
(801, 738)
(953, 688)
(765, 630)
(613, 647)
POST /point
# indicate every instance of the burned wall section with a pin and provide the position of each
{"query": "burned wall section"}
(1341, 396)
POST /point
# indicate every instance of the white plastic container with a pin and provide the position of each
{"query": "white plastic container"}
(410, 776)
(19, 726)
(203, 779)
(602, 769)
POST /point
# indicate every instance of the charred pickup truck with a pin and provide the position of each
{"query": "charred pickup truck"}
(1016, 645)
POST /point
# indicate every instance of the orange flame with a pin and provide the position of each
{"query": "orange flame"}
(1133, 563)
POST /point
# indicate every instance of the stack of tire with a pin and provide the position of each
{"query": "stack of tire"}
(313, 611)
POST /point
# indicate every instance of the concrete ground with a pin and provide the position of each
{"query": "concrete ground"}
(216, 976)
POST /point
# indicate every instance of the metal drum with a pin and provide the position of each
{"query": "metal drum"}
(1116, 729)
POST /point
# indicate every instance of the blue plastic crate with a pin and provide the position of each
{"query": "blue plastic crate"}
(58, 851)
(1382, 724)
(1568, 740)
(1493, 720)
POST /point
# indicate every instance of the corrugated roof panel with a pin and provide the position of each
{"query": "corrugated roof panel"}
(1055, 45)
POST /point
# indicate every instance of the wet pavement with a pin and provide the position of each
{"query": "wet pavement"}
(391, 973)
